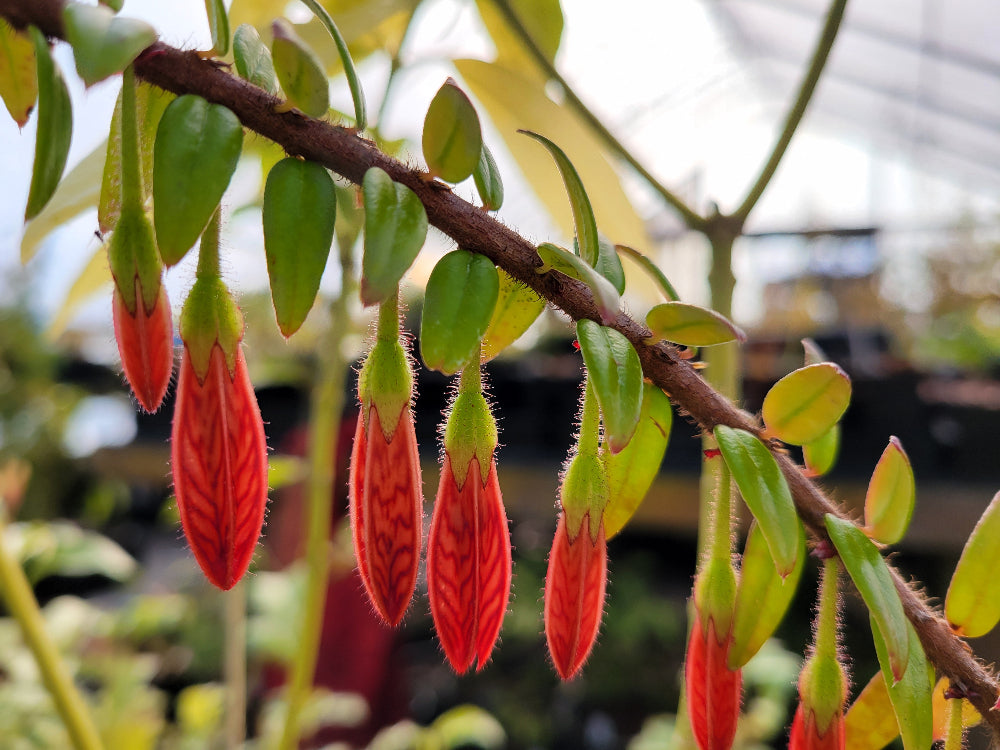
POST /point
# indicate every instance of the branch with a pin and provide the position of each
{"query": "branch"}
(798, 110)
(183, 72)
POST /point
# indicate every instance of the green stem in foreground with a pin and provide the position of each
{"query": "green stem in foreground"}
(324, 427)
(691, 219)
(235, 665)
(23, 607)
(798, 109)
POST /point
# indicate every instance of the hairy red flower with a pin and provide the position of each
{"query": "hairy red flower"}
(468, 565)
(806, 735)
(574, 594)
(146, 345)
(219, 458)
(386, 498)
(713, 689)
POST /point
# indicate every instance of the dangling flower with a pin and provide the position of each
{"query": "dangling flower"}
(386, 496)
(713, 689)
(145, 345)
(218, 449)
(578, 563)
(468, 552)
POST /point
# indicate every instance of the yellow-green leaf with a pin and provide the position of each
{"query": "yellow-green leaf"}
(910, 695)
(514, 100)
(762, 596)
(891, 495)
(488, 182)
(299, 71)
(518, 306)
(452, 138)
(632, 471)
(691, 325)
(804, 404)
(821, 454)
(94, 277)
(871, 576)
(542, 19)
(55, 128)
(18, 83)
(218, 25)
(765, 492)
(651, 269)
(970, 716)
(870, 723)
(75, 194)
(973, 602)
(605, 295)
(253, 59)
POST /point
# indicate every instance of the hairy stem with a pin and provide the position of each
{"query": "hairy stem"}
(183, 72)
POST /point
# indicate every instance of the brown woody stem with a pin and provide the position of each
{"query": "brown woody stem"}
(184, 72)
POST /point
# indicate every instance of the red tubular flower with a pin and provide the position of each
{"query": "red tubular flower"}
(806, 734)
(386, 499)
(146, 345)
(468, 564)
(219, 459)
(574, 594)
(713, 689)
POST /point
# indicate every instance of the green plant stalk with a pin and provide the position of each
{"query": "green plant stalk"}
(953, 735)
(23, 606)
(324, 427)
(798, 109)
(826, 628)
(131, 186)
(235, 665)
(590, 421)
(690, 217)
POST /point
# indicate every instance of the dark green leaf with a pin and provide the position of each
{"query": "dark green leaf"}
(395, 229)
(253, 59)
(299, 214)
(632, 471)
(583, 213)
(103, 43)
(299, 71)
(691, 325)
(804, 404)
(218, 25)
(871, 575)
(609, 265)
(605, 295)
(194, 157)
(458, 304)
(488, 182)
(762, 596)
(452, 139)
(55, 128)
(615, 372)
(353, 82)
(765, 492)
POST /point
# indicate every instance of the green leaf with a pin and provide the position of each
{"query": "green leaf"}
(103, 43)
(151, 102)
(632, 471)
(891, 495)
(55, 128)
(652, 270)
(605, 295)
(870, 723)
(583, 213)
(115, 5)
(517, 307)
(874, 582)
(691, 325)
(821, 454)
(93, 278)
(253, 59)
(218, 25)
(609, 265)
(972, 605)
(458, 304)
(452, 138)
(516, 99)
(488, 182)
(911, 695)
(74, 195)
(299, 70)
(194, 157)
(299, 214)
(395, 230)
(468, 726)
(614, 370)
(762, 596)
(18, 82)
(804, 404)
(63, 548)
(765, 492)
(353, 82)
